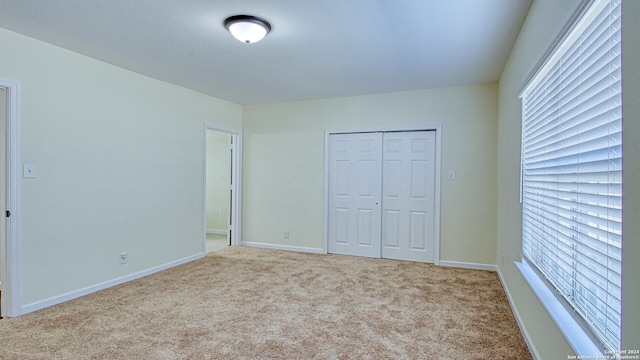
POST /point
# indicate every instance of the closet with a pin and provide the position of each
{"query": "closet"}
(381, 197)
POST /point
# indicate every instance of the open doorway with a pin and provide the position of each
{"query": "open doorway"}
(221, 188)
(9, 191)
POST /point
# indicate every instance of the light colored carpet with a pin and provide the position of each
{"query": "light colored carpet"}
(249, 303)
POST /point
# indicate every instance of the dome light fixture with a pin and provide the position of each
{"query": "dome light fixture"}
(246, 28)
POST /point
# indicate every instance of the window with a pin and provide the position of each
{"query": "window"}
(572, 170)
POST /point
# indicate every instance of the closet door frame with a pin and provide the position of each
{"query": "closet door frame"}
(438, 130)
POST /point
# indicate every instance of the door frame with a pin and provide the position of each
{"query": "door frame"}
(436, 211)
(10, 238)
(236, 185)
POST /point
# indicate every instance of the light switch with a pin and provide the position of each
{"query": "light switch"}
(451, 175)
(29, 171)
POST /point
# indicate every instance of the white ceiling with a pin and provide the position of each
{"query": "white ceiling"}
(316, 49)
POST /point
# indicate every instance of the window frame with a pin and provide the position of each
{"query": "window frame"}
(575, 329)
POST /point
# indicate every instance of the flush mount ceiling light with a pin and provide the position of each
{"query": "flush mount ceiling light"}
(246, 28)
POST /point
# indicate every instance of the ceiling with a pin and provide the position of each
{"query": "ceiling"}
(316, 49)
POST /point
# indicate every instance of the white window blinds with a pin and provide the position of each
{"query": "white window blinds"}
(572, 169)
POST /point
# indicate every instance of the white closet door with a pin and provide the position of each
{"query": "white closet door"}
(355, 183)
(408, 196)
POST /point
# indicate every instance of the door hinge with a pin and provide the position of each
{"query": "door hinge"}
(8, 213)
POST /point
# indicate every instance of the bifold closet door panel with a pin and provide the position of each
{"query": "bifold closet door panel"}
(408, 193)
(355, 183)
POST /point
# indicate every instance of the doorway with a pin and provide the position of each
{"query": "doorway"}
(221, 188)
(9, 191)
(382, 195)
(2, 193)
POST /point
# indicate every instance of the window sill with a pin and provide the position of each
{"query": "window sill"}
(579, 340)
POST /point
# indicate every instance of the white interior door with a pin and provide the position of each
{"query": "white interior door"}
(355, 183)
(2, 199)
(408, 195)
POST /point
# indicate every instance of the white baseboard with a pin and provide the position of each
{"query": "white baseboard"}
(283, 247)
(216, 232)
(466, 265)
(104, 285)
(516, 314)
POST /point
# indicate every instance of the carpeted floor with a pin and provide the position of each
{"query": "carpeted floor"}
(249, 303)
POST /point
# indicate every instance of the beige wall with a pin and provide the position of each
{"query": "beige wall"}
(284, 163)
(631, 174)
(119, 162)
(218, 169)
(544, 22)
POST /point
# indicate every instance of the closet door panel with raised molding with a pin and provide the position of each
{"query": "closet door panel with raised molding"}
(408, 195)
(355, 180)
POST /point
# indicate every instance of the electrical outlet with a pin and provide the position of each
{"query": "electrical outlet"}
(286, 234)
(123, 257)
